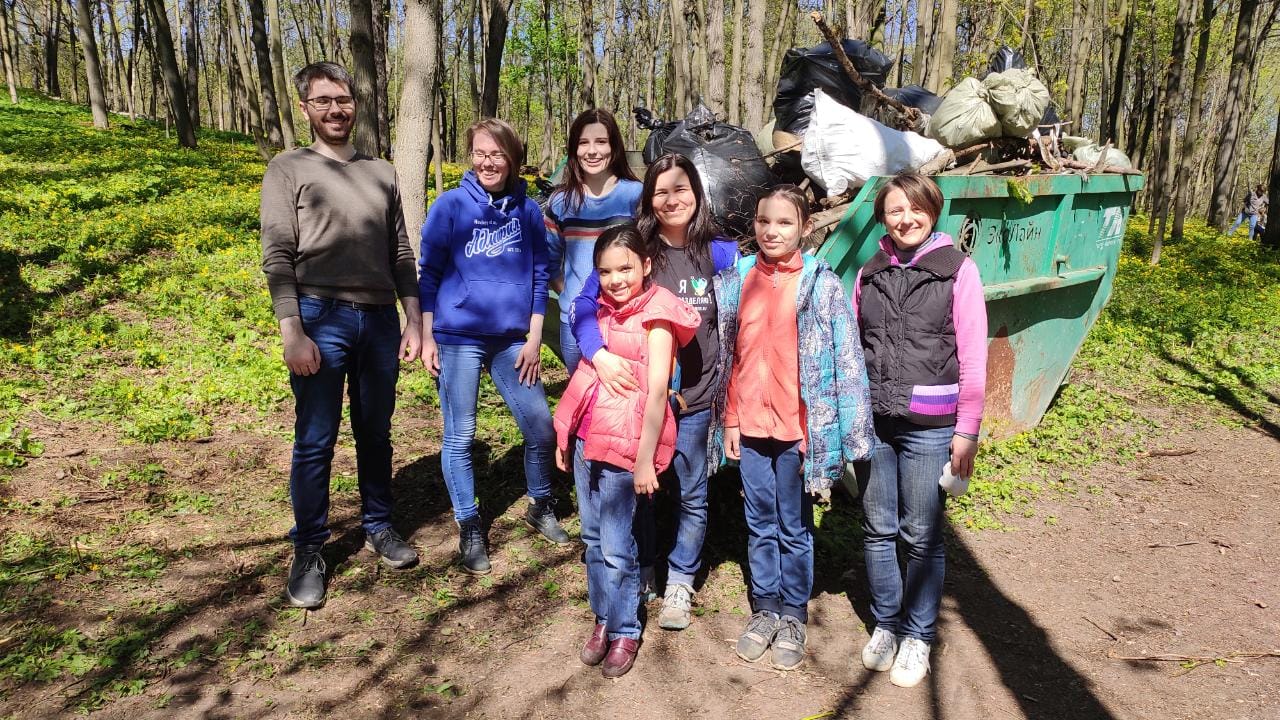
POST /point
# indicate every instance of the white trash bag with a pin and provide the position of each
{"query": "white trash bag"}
(843, 149)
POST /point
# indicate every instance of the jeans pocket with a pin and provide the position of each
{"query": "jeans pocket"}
(313, 309)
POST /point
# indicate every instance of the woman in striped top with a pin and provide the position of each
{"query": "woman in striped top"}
(599, 191)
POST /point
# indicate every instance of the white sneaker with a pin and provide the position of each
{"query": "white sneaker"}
(878, 653)
(677, 606)
(912, 663)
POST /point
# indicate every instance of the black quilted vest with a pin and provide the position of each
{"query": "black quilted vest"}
(909, 338)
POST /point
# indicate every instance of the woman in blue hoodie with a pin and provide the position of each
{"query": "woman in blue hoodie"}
(483, 288)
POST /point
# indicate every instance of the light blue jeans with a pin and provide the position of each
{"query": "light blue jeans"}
(569, 352)
(459, 388)
(606, 509)
(1253, 224)
(901, 500)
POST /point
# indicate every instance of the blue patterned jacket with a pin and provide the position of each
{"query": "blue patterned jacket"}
(833, 378)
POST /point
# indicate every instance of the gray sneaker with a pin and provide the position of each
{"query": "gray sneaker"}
(391, 548)
(788, 644)
(753, 641)
(677, 605)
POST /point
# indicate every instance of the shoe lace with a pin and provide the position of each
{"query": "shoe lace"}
(387, 535)
(678, 597)
(310, 561)
(791, 630)
(912, 654)
(881, 641)
(761, 623)
(472, 534)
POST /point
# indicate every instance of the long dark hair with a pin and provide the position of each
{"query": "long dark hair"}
(575, 185)
(702, 227)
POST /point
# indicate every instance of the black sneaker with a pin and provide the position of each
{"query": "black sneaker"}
(306, 578)
(471, 547)
(394, 551)
(541, 515)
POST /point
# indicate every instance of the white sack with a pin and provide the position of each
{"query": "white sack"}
(843, 149)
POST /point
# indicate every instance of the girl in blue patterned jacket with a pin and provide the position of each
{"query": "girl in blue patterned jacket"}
(794, 408)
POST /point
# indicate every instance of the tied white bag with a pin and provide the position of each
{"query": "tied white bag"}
(843, 149)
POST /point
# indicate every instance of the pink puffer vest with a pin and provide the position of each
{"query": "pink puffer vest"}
(616, 420)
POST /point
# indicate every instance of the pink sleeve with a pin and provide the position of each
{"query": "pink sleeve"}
(857, 295)
(969, 311)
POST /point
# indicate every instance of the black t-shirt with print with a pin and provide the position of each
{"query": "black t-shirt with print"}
(690, 279)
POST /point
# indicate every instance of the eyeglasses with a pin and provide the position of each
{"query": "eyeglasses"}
(497, 158)
(322, 103)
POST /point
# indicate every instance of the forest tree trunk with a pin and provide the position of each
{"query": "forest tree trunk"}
(1182, 187)
(1164, 141)
(753, 79)
(163, 42)
(415, 121)
(281, 76)
(92, 66)
(363, 73)
(266, 79)
(1237, 81)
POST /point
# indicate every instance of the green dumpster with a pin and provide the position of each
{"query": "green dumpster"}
(1047, 248)
(1047, 251)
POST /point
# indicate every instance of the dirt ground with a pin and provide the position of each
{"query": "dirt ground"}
(1059, 617)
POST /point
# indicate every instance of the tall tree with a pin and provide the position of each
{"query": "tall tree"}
(715, 55)
(1164, 168)
(753, 100)
(266, 81)
(168, 61)
(92, 66)
(381, 16)
(8, 56)
(495, 41)
(281, 77)
(415, 122)
(191, 50)
(243, 78)
(1272, 237)
(587, 54)
(365, 76)
(1078, 68)
(735, 71)
(1121, 31)
(1220, 203)
(1182, 187)
(52, 14)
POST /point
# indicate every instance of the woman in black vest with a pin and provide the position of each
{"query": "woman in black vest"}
(924, 334)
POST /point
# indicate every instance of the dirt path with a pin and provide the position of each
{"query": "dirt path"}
(1171, 555)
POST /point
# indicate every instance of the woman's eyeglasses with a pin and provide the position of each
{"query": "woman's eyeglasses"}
(497, 158)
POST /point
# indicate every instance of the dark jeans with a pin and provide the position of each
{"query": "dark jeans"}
(606, 508)
(689, 466)
(358, 348)
(901, 500)
(779, 526)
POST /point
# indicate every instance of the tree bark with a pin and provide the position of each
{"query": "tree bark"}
(920, 55)
(415, 121)
(92, 66)
(678, 80)
(1220, 203)
(1122, 41)
(1182, 187)
(51, 49)
(236, 48)
(1078, 68)
(381, 16)
(1172, 106)
(587, 54)
(753, 79)
(715, 56)
(495, 43)
(280, 76)
(266, 79)
(163, 42)
(9, 57)
(191, 50)
(364, 74)
(735, 70)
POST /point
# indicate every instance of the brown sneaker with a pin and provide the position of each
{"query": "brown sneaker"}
(595, 648)
(620, 658)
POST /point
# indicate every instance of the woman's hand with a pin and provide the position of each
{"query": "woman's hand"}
(561, 461)
(645, 480)
(529, 362)
(430, 355)
(614, 372)
(963, 450)
(733, 443)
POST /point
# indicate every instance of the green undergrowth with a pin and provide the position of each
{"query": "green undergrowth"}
(1201, 331)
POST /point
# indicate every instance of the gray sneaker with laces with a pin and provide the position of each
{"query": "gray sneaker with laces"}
(755, 640)
(677, 606)
(788, 644)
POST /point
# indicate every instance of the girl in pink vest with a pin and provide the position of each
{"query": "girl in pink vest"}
(621, 441)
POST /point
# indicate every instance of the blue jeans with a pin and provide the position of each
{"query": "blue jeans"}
(779, 526)
(569, 352)
(358, 348)
(1253, 224)
(459, 388)
(689, 464)
(606, 508)
(901, 499)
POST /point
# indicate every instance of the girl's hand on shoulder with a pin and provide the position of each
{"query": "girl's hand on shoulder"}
(963, 451)
(614, 372)
(645, 479)
(733, 443)
(529, 362)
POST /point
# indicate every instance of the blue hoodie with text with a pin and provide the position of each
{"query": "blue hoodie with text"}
(483, 264)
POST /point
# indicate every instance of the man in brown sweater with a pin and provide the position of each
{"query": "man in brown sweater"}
(337, 257)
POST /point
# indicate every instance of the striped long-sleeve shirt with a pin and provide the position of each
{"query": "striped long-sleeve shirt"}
(572, 234)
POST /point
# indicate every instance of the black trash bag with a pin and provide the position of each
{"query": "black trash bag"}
(806, 69)
(916, 97)
(734, 174)
(1006, 58)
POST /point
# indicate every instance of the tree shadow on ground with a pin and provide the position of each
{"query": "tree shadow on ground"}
(1228, 396)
